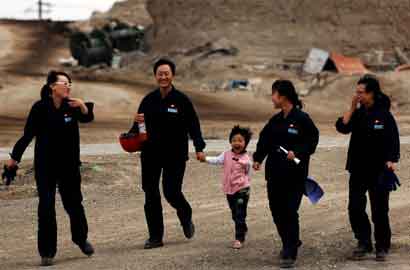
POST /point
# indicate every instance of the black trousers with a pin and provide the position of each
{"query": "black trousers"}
(69, 187)
(238, 203)
(284, 203)
(172, 179)
(359, 185)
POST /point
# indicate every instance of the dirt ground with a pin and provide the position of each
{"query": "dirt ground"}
(114, 204)
(112, 189)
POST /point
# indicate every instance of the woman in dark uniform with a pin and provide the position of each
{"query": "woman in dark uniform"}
(53, 120)
(293, 130)
(374, 147)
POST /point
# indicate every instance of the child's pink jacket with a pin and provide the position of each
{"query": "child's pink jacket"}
(236, 170)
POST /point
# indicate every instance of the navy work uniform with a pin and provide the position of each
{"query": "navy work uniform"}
(169, 121)
(374, 141)
(286, 179)
(56, 163)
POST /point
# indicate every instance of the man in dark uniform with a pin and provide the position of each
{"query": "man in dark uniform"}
(170, 118)
(54, 122)
(293, 130)
(374, 147)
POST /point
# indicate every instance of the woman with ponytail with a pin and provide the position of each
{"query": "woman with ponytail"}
(53, 121)
(374, 148)
(287, 140)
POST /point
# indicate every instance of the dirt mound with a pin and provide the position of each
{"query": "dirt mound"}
(280, 28)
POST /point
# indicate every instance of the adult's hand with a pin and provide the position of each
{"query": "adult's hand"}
(201, 156)
(78, 103)
(392, 166)
(139, 118)
(11, 163)
(256, 166)
(291, 155)
(355, 101)
(348, 115)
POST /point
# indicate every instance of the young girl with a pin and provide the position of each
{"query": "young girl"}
(235, 182)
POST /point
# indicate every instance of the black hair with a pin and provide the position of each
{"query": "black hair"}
(372, 85)
(164, 61)
(245, 132)
(52, 77)
(286, 88)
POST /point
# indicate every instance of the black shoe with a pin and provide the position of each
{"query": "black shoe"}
(381, 255)
(189, 229)
(87, 249)
(361, 251)
(149, 244)
(46, 261)
(287, 263)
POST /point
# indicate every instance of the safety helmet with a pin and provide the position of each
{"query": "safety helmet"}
(132, 142)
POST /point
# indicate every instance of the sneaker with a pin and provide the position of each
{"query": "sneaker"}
(237, 244)
(46, 261)
(87, 249)
(189, 229)
(361, 251)
(381, 255)
(150, 244)
(287, 263)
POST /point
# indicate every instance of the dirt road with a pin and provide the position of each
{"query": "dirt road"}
(212, 146)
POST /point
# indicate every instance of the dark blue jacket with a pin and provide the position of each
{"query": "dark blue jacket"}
(374, 139)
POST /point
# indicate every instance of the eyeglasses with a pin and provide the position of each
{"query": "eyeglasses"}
(67, 84)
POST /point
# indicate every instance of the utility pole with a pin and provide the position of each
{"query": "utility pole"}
(41, 6)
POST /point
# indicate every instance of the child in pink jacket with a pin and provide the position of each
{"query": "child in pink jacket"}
(236, 182)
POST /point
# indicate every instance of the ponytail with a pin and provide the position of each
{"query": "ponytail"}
(45, 92)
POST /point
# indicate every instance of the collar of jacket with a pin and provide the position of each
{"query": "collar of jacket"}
(158, 91)
(291, 113)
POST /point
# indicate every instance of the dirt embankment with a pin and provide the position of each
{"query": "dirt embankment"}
(282, 27)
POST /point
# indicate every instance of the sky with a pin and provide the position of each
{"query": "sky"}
(60, 10)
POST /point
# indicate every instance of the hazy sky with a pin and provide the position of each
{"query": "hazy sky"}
(61, 9)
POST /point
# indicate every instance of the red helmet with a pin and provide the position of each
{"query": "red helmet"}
(132, 142)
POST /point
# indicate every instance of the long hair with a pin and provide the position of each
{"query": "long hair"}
(372, 85)
(286, 88)
(52, 77)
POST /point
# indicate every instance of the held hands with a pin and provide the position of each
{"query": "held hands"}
(256, 166)
(200, 156)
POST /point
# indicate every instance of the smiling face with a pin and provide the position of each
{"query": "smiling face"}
(61, 88)
(164, 76)
(277, 99)
(238, 143)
